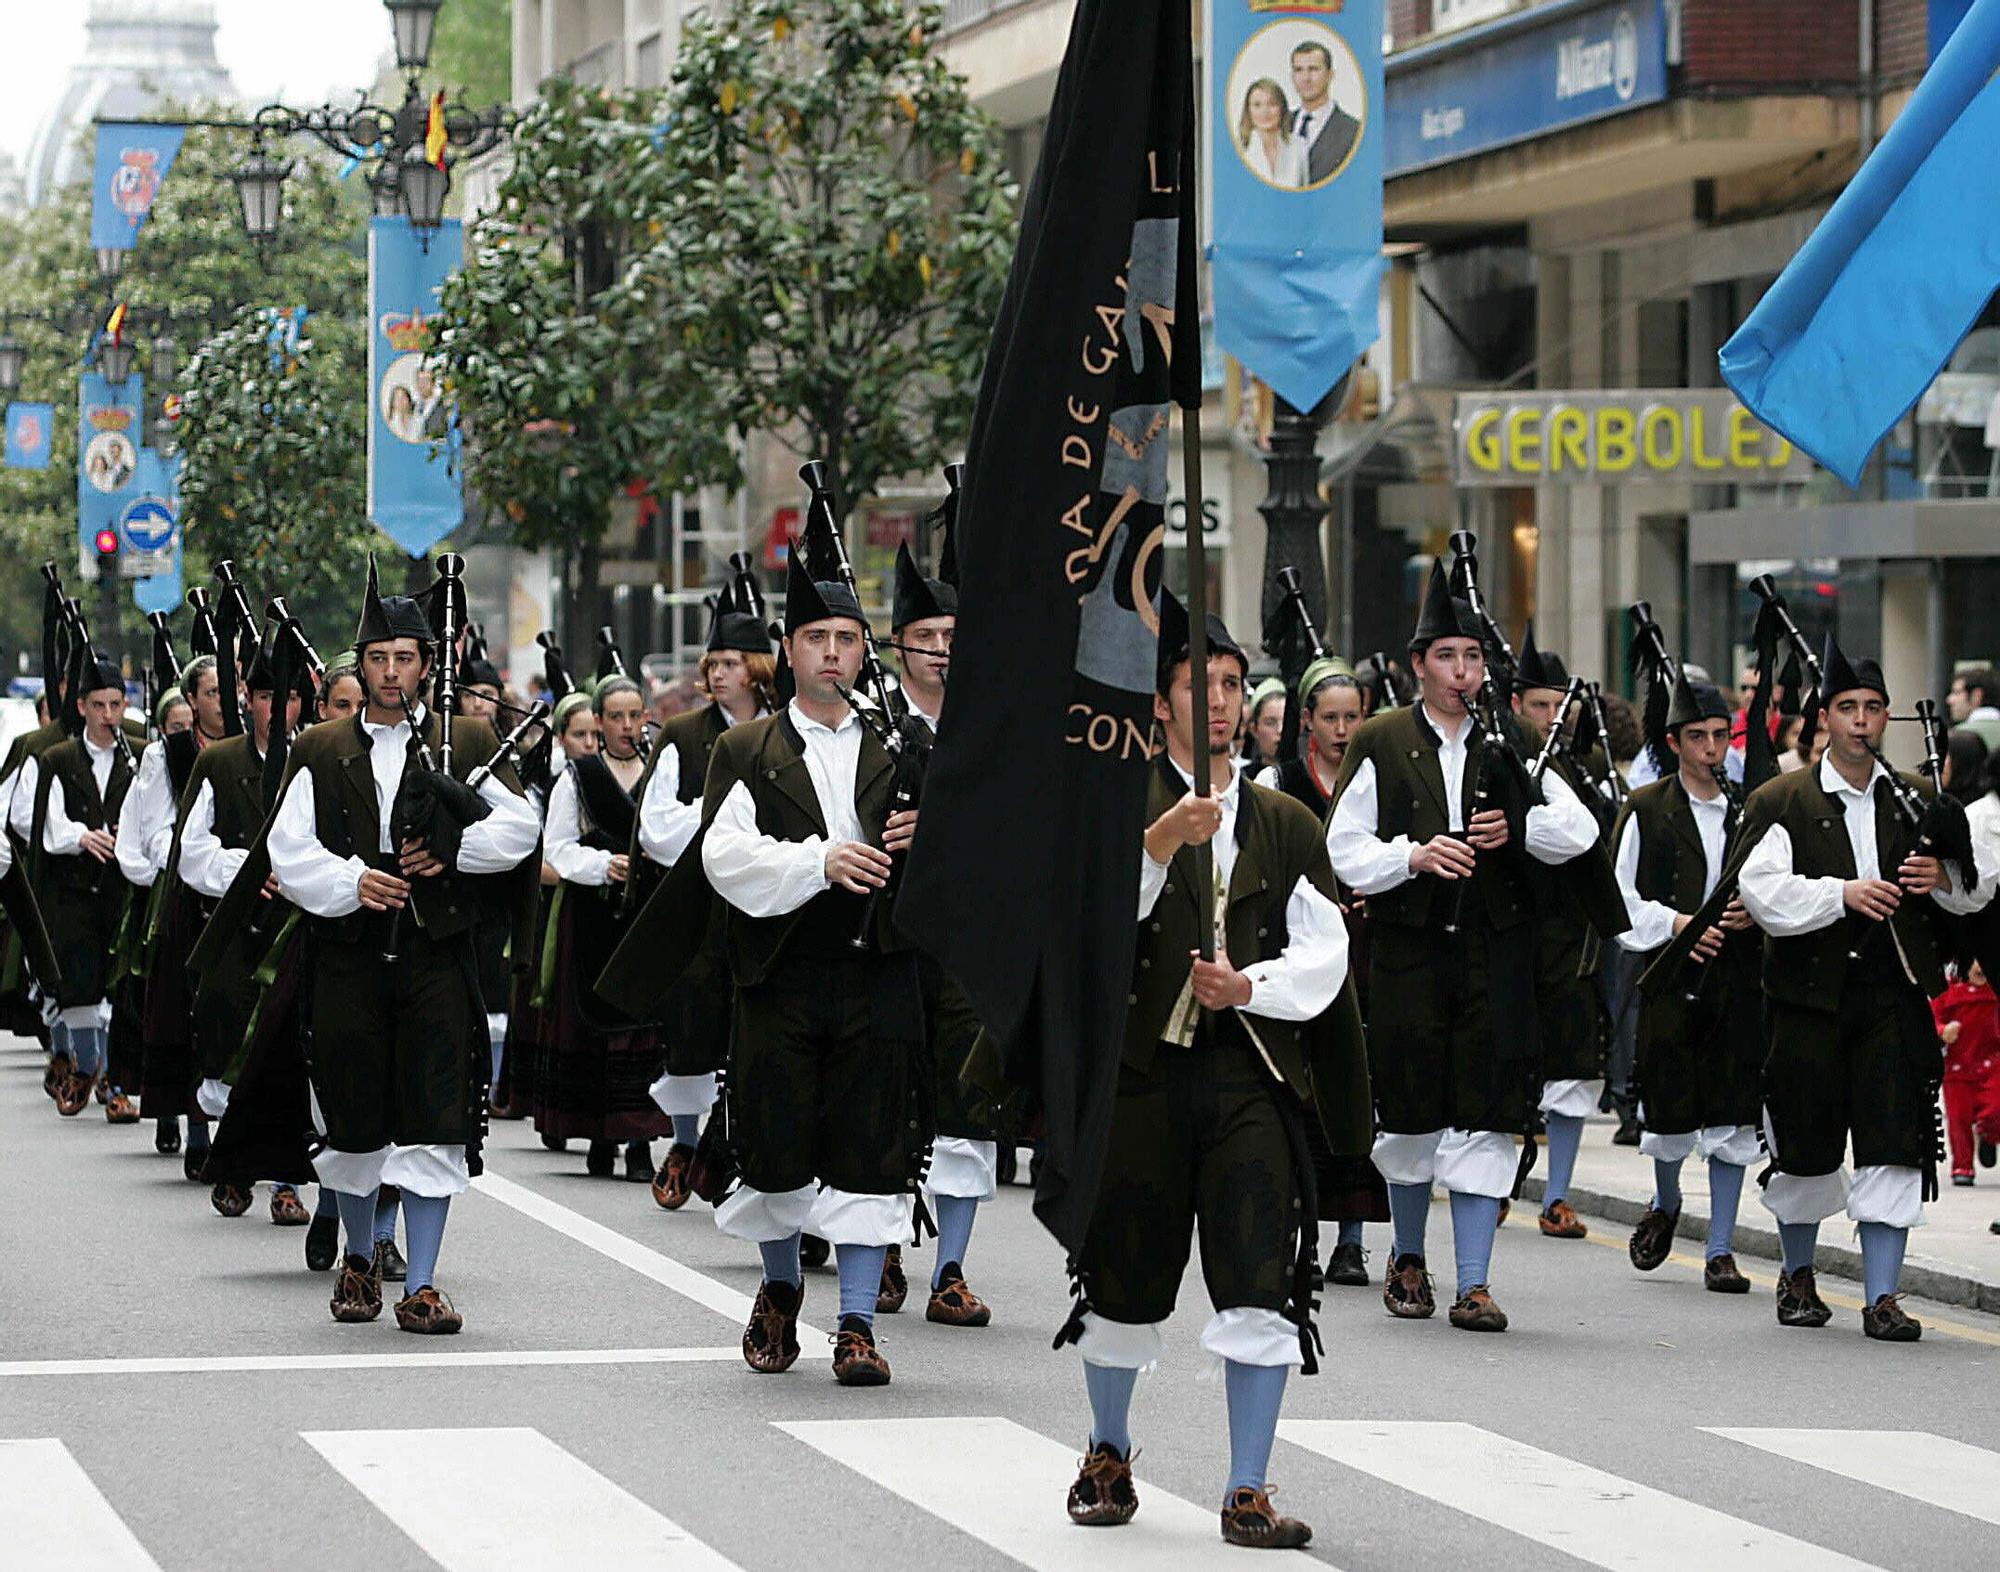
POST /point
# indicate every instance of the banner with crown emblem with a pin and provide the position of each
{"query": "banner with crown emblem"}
(132, 165)
(109, 424)
(30, 431)
(1295, 186)
(415, 495)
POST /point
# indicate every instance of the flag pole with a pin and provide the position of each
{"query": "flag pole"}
(1197, 610)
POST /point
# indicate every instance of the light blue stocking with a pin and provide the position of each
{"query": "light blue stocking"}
(1255, 1392)
(1565, 1138)
(860, 1268)
(1110, 1388)
(1410, 1212)
(1725, 1194)
(781, 1261)
(1475, 1219)
(423, 1227)
(955, 1215)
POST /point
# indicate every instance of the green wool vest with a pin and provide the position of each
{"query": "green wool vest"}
(1410, 800)
(1808, 971)
(235, 773)
(66, 768)
(767, 756)
(1278, 843)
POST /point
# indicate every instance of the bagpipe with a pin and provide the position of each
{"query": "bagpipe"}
(905, 739)
(232, 656)
(1487, 708)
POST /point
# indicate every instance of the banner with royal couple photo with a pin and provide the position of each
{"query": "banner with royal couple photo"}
(109, 424)
(1294, 165)
(415, 491)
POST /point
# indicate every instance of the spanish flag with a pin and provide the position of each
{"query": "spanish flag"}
(114, 329)
(434, 134)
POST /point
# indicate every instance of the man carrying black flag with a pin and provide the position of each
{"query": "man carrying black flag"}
(1061, 533)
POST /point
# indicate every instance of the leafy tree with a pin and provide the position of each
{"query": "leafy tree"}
(194, 262)
(837, 227)
(567, 390)
(473, 51)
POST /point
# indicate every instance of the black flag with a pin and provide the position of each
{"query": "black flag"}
(1024, 877)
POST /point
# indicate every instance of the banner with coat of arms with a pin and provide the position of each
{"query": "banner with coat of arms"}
(415, 495)
(109, 424)
(30, 430)
(132, 165)
(1295, 113)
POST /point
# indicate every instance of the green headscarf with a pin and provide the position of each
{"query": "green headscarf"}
(1326, 666)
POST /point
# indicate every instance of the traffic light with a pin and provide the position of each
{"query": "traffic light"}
(106, 542)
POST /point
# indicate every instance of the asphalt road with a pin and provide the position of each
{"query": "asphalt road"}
(173, 1394)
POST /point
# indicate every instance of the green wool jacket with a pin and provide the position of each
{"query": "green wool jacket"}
(1278, 843)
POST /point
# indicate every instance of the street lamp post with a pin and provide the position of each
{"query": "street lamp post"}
(260, 187)
(414, 22)
(13, 359)
(114, 360)
(1294, 511)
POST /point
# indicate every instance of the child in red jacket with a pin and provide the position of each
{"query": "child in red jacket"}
(1968, 1021)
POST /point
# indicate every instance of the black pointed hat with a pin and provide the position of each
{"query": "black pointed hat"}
(475, 669)
(1174, 638)
(1443, 615)
(736, 614)
(166, 664)
(1844, 677)
(610, 657)
(1695, 701)
(386, 617)
(98, 673)
(918, 597)
(808, 600)
(262, 673)
(1539, 668)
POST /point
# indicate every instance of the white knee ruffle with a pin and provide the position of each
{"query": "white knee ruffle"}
(421, 1170)
(1665, 1148)
(1252, 1337)
(963, 1168)
(1730, 1143)
(1406, 1159)
(212, 1098)
(1884, 1194)
(683, 1094)
(1571, 1099)
(764, 1216)
(1120, 1345)
(84, 1017)
(1478, 1162)
(841, 1217)
(1805, 1198)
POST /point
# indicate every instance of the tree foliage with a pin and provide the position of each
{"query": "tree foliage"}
(473, 50)
(194, 261)
(837, 224)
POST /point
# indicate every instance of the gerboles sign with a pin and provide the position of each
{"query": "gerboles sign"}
(1601, 438)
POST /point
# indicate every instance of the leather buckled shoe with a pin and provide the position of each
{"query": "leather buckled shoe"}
(1249, 1519)
(55, 1074)
(1348, 1267)
(856, 1359)
(1407, 1289)
(953, 1303)
(1653, 1240)
(73, 1095)
(1475, 1311)
(357, 1291)
(895, 1287)
(1886, 1321)
(1561, 1222)
(1720, 1275)
(428, 1313)
(1799, 1303)
(1103, 1495)
(120, 1109)
(287, 1210)
(771, 1337)
(167, 1137)
(670, 1183)
(230, 1200)
(390, 1266)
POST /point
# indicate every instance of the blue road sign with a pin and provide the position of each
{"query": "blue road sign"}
(148, 523)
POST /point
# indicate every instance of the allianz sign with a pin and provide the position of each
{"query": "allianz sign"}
(1585, 65)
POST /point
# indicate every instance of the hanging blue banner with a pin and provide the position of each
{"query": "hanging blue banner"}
(150, 531)
(1295, 187)
(109, 423)
(132, 165)
(30, 429)
(414, 491)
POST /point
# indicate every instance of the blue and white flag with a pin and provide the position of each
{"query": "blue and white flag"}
(1895, 275)
(150, 525)
(414, 492)
(109, 423)
(132, 165)
(1295, 187)
(30, 430)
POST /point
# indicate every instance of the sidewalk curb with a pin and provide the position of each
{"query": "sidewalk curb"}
(1944, 1284)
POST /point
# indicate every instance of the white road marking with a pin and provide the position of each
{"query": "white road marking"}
(643, 1259)
(1933, 1469)
(1556, 1501)
(440, 1359)
(56, 1520)
(1005, 1485)
(507, 1500)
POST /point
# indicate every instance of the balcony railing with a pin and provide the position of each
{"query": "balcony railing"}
(961, 14)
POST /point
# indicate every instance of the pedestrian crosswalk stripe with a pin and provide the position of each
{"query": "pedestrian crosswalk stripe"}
(1004, 1485)
(1559, 1503)
(507, 1500)
(1933, 1469)
(428, 1359)
(56, 1520)
(647, 1262)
